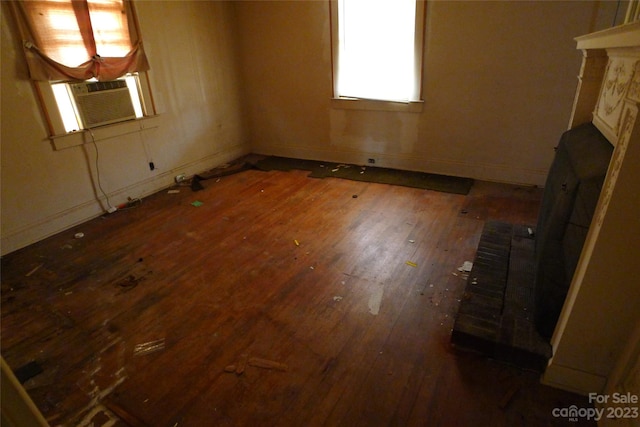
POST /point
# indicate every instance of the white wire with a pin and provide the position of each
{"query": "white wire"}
(145, 147)
(93, 139)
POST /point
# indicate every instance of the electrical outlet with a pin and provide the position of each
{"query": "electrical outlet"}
(180, 178)
(372, 161)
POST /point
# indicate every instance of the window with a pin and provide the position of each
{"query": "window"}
(87, 60)
(377, 49)
(93, 103)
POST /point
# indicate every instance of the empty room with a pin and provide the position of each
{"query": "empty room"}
(320, 213)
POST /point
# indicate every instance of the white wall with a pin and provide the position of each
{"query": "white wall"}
(192, 48)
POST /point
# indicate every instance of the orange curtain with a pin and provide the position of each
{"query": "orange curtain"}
(80, 39)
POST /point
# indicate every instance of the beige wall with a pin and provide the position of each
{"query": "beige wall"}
(192, 48)
(499, 80)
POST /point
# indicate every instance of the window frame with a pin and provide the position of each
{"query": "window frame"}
(62, 139)
(348, 103)
(45, 71)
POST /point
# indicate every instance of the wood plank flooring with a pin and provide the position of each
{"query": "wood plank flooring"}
(363, 333)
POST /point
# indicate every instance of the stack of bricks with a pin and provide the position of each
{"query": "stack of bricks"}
(496, 311)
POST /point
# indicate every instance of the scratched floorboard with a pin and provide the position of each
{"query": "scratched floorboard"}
(365, 336)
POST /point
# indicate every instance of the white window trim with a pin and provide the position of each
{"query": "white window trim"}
(101, 133)
(413, 106)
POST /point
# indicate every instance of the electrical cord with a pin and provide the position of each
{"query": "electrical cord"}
(111, 208)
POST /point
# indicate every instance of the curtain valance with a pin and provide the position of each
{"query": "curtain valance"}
(80, 39)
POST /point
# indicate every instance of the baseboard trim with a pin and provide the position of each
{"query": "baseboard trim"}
(573, 380)
(481, 171)
(33, 232)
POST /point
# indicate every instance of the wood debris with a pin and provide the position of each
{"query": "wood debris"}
(267, 364)
(257, 362)
(242, 364)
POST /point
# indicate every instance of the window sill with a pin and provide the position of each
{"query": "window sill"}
(374, 105)
(74, 139)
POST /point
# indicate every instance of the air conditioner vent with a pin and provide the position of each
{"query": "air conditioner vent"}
(102, 103)
(98, 86)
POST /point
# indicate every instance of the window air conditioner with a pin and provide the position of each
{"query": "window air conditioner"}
(102, 103)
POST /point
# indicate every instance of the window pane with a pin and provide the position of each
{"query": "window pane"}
(60, 25)
(376, 59)
(58, 31)
(110, 29)
(133, 85)
(67, 112)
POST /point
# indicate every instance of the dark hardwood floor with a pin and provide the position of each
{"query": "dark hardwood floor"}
(347, 290)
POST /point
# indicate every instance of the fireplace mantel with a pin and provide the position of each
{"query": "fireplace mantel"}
(627, 35)
(596, 343)
(609, 80)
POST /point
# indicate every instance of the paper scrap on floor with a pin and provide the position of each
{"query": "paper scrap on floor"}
(466, 267)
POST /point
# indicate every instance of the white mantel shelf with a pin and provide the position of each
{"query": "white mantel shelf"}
(627, 35)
